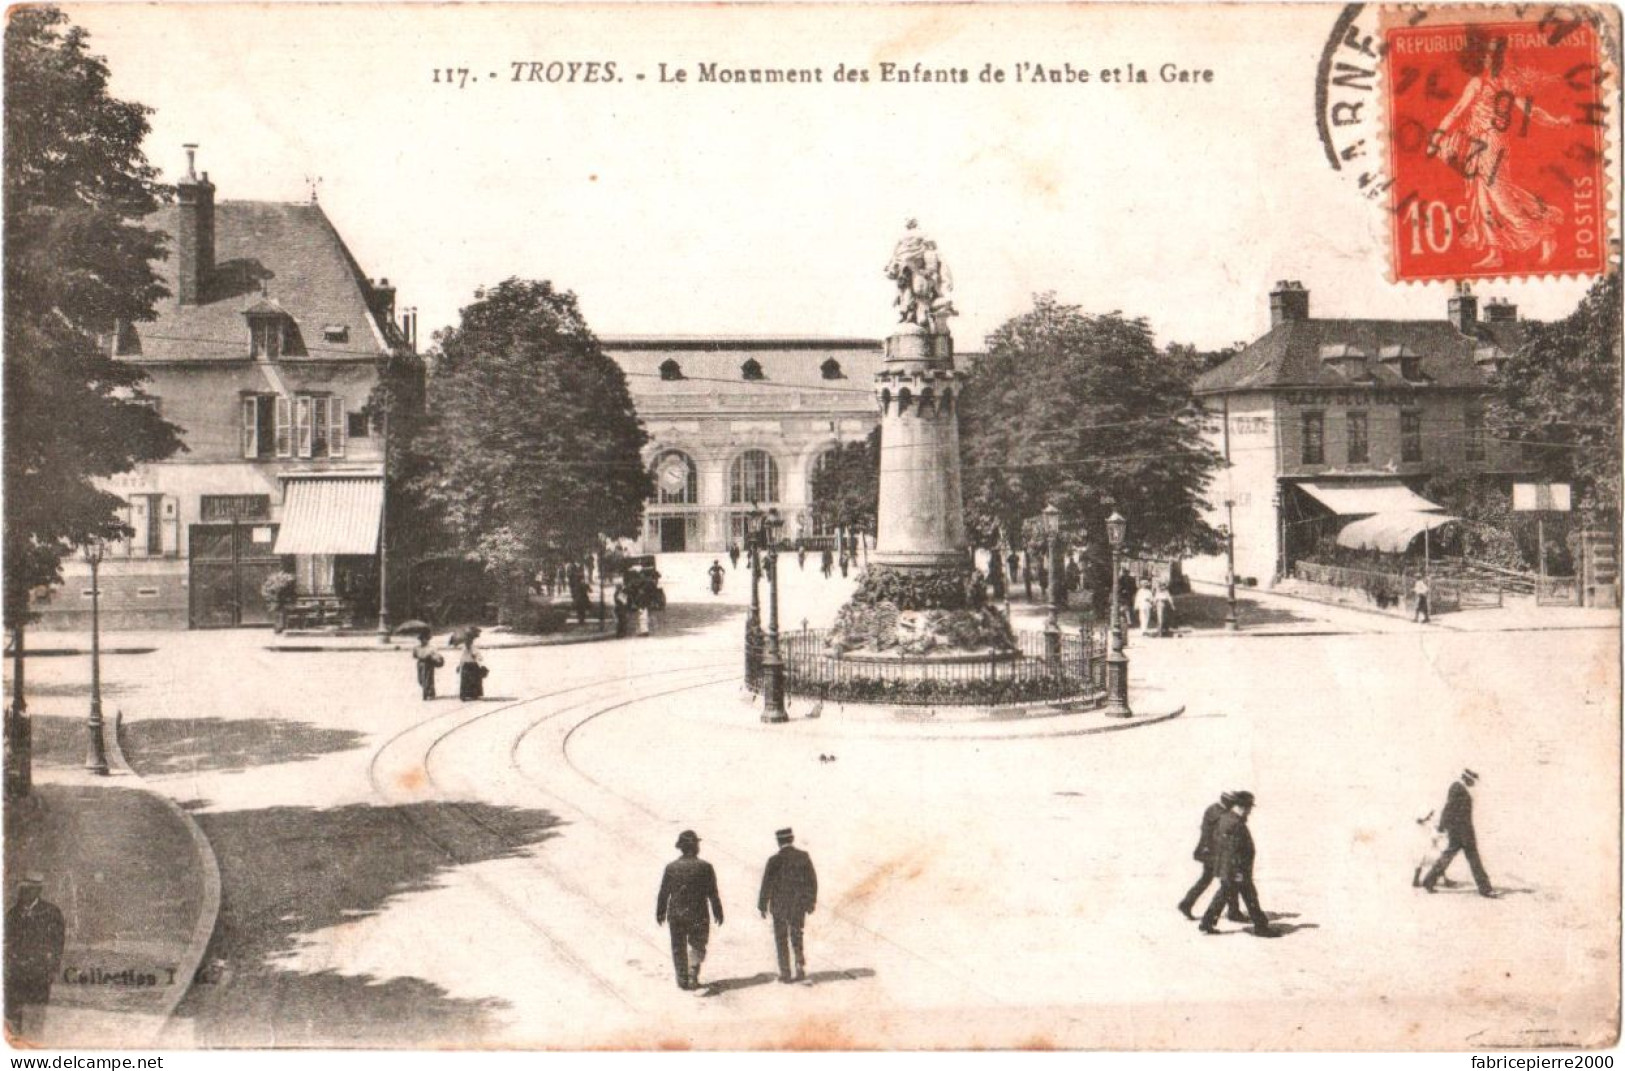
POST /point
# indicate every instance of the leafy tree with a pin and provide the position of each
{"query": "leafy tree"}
(1085, 412)
(77, 262)
(846, 489)
(1560, 393)
(531, 444)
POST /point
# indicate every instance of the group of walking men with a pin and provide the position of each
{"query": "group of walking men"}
(1226, 851)
(688, 900)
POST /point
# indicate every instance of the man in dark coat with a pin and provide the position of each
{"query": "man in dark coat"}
(1456, 822)
(1234, 853)
(34, 938)
(1206, 854)
(687, 887)
(790, 892)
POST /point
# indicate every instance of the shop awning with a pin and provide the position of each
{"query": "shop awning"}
(331, 514)
(1352, 498)
(1390, 533)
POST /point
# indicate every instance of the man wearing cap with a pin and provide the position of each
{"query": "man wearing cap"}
(34, 937)
(790, 891)
(688, 885)
(1205, 855)
(1234, 852)
(1456, 822)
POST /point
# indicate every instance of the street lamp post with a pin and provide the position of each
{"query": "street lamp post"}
(753, 619)
(96, 752)
(1231, 622)
(773, 660)
(1052, 628)
(1116, 660)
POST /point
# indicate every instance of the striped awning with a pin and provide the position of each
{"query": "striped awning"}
(331, 515)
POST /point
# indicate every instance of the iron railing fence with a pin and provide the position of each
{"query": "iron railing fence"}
(1028, 675)
(1394, 589)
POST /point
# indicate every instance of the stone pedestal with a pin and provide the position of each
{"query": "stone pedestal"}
(920, 597)
(921, 522)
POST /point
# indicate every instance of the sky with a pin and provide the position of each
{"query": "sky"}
(690, 208)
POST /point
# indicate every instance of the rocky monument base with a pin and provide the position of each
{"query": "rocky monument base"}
(938, 614)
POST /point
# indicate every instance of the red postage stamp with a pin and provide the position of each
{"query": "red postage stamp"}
(1497, 144)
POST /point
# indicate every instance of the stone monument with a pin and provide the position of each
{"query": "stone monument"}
(921, 595)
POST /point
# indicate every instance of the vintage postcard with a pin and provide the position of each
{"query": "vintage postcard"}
(812, 527)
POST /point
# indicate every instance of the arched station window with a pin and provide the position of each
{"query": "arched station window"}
(753, 477)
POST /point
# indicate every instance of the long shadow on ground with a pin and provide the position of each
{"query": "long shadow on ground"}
(160, 746)
(287, 872)
(59, 741)
(681, 618)
(1200, 610)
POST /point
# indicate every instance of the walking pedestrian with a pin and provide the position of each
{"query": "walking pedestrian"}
(1456, 822)
(790, 893)
(846, 563)
(1206, 854)
(622, 609)
(1235, 853)
(1144, 607)
(428, 660)
(1126, 589)
(826, 563)
(1165, 609)
(733, 553)
(717, 574)
(801, 555)
(471, 671)
(1420, 591)
(34, 939)
(687, 887)
(1013, 562)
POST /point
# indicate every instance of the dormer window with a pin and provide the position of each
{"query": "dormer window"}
(336, 333)
(752, 369)
(832, 369)
(267, 337)
(670, 369)
(270, 331)
(1408, 361)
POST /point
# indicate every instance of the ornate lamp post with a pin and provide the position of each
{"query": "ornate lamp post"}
(1052, 628)
(772, 661)
(96, 752)
(1231, 622)
(753, 619)
(1116, 661)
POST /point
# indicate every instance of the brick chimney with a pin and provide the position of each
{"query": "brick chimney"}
(1288, 301)
(381, 299)
(1464, 309)
(1500, 311)
(194, 237)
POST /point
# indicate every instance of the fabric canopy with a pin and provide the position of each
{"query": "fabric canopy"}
(1353, 498)
(331, 515)
(1390, 533)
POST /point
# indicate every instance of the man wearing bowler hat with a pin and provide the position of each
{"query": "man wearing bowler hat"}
(790, 892)
(1234, 852)
(689, 885)
(1206, 855)
(34, 938)
(1456, 822)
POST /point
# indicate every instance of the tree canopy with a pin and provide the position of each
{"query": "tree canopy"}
(846, 487)
(77, 263)
(531, 445)
(1560, 394)
(1084, 411)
